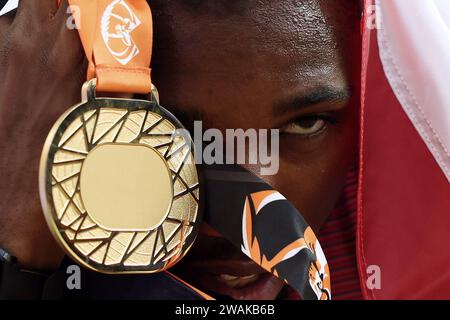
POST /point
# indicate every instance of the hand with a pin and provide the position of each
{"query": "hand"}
(41, 74)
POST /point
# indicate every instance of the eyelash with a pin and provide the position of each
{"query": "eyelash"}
(327, 118)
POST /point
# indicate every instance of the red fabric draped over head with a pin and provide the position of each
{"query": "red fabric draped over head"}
(404, 195)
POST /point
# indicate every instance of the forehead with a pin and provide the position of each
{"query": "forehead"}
(264, 50)
(269, 19)
(309, 30)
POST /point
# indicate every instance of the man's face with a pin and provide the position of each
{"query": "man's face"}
(288, 65)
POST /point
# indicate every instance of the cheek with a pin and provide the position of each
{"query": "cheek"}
(313, 177)
(313, 186)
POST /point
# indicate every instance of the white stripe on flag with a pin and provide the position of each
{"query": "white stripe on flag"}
(414, 43)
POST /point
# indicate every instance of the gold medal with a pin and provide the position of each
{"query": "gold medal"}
(118, 183)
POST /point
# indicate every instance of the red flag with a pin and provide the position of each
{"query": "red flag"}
(404, 194)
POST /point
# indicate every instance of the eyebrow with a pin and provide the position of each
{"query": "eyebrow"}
(317, 96)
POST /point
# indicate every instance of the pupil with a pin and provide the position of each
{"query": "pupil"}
(308, 122)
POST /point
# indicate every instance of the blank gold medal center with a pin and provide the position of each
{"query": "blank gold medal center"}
(126, 187)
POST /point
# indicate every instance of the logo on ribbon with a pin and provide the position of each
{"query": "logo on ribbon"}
(118, 22)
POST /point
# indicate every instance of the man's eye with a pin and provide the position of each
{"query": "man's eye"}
(306, 126)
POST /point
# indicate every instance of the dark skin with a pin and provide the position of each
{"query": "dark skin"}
(292, 73)
(237, 64)
(38, 84)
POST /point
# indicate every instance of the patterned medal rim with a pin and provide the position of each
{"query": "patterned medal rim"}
(155, 250)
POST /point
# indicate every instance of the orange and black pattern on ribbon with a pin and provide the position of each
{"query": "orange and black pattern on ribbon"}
(267, 228)
(290, 253)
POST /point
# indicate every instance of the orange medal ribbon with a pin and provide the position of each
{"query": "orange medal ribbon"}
(119, 50)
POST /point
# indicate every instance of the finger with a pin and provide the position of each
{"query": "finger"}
(36, 11)
(62, 6)
(63, 13)
(67, 49)
(67, 34)
(7, 18)
(5, 23)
